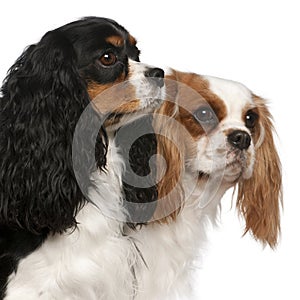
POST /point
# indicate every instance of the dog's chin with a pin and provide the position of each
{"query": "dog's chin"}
(236, 171)
(237, 166)
(231, 173)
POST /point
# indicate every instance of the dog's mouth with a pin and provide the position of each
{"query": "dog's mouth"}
(126, 97)
(132, 111)
(150, 100)
(237, 165)
(236, 158)
(232, 167)
(203, 175)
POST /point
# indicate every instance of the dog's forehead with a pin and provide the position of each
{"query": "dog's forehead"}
(235, 95)
(96, 33)
(105, 34)
(91, 38)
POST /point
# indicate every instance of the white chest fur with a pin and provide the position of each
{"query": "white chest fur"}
(96, 261)
(90, 262)
(171, 251)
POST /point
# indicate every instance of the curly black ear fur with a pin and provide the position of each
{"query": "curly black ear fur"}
(43, 97)
(140, 202)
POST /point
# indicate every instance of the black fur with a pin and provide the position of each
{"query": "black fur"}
(42, 99)
(138, 143)
(14, 245)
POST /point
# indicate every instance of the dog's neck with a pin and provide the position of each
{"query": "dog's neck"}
(172, 248)
(203, 196)
(105, 193)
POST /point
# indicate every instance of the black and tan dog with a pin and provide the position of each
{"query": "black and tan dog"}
(60, 228)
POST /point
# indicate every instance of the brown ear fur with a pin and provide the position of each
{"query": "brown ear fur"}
(259, 197)
(170, 148)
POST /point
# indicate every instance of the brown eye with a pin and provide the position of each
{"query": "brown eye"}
(251, 119)
(205, 115)
(108, 59)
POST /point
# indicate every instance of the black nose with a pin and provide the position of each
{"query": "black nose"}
(239, 139)
(157, 75)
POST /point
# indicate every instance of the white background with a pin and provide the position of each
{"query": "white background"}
(255, 42)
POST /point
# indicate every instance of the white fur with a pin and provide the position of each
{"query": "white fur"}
(94, 261)
(171, 251)
(234, 94)
(150, 94)
(89, 262)
(154, 262)
(214, 155)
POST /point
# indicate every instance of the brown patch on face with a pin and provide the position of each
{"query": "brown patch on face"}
(192, 92)
(201, 86)
(115, 40)
(95, 89)
(186, 93)
(117, 97)
(191, 124)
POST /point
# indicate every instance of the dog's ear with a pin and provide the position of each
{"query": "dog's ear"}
(137, 145)
(43, 99)
(259, 197)
(171, 153)
(170, 166)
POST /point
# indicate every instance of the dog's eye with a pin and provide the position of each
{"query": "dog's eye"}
(206, 117)
(108, 59)
(251, 119)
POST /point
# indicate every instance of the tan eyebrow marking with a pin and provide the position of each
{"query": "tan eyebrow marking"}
(132, 40)
(115, 40)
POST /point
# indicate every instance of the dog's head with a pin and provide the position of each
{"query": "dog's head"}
(219, 130)
(91, 65)
(108, 60)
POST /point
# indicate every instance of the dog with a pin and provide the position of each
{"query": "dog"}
(212, 134)
(61, 210)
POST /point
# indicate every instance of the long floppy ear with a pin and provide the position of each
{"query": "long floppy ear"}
(170, 166)
(259, 197)
(138, 146)
(43, 98)
(171, 153)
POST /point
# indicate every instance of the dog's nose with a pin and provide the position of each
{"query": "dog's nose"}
(239, 139)
(157, 75)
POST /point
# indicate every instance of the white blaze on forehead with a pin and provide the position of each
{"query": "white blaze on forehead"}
(137, 69)
(234, 94)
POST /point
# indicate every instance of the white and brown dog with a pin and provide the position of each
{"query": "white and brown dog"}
(213, 134)
(63, 213)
